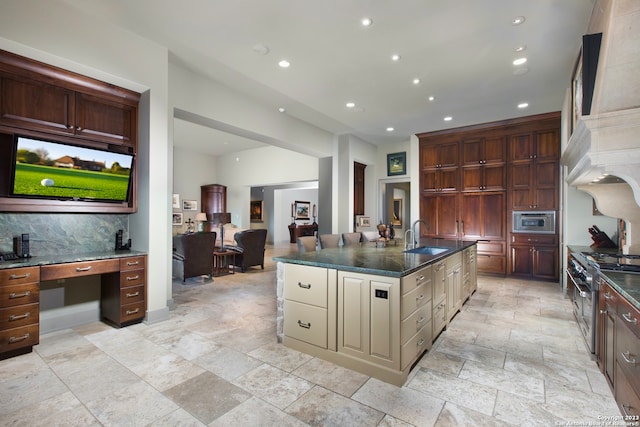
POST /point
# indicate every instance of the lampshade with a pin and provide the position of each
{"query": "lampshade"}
(202, 217)
(221, 218)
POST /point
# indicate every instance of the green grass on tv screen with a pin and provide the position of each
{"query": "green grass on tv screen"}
(69, 183)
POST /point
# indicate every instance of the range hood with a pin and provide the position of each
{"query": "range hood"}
(606, 143)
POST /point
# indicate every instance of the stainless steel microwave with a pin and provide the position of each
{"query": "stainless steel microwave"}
(534, 222)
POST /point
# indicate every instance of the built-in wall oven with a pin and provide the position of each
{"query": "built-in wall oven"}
(584, 296)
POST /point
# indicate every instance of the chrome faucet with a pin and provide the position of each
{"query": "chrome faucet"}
(414, 235)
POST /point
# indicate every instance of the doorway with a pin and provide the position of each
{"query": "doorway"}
(395, 204)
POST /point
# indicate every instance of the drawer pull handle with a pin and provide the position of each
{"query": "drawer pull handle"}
(304, 325)
(132, 263)
(20, 316)
(81, 269)
(304, 286)
(628, 318)
(136, 277)
(135, 294)
(132, 311)
(19, 276)
(420, 278)
(421, 297)
(420, 320)
(18, 339)
(13, 295)
(625, 412)
(608, 296)
(419, 344)
(627, 357)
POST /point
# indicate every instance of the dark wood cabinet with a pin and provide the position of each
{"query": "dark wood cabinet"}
(481, 216)
(296, 231)
(441, 214)
(213, 198)
(607, 327)
(535, 256)
(358, 188)
(534, 170)
(483, 164)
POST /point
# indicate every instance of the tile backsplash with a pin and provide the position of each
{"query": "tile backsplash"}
(54, 233)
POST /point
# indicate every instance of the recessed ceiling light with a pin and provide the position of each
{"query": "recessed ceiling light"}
(366, 22)
(448, 119)
(395, 57)
(432, 98)
(390, 129)
(281, 109)
(350, 104)
(519, 61)
(261, 49)
(523, 105)
(416, 81)
(520, 71)
(520, 48)
(284, 63)
(518, 20)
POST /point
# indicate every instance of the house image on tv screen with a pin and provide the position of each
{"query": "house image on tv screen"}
(77, 163)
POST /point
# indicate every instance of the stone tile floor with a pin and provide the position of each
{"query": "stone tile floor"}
(512, 356)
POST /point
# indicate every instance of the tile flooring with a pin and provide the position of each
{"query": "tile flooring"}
(512, 356)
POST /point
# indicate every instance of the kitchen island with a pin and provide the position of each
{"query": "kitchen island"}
(373, 309)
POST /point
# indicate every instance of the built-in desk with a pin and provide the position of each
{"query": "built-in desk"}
(122, 299)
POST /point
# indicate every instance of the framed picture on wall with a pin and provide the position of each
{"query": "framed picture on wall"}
(177, 218)
(397, 163)
(189, 205)
(302, 209)
(256, 208)
(364, 221)
(175, 204)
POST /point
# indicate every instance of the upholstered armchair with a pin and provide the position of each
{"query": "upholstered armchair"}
(193, 254)
(249, 248)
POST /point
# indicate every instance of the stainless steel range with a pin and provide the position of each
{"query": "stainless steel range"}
(584, 296)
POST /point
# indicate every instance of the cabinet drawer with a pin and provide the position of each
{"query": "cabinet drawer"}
(628, 354)
(132, 294)
(132, 278)
(305, 323)
(411, 281)
(77, 269)
(491, 264)
(629, 316)
(491, 247)
(534, 239)
(415, 322)
(306, 284)
(12, 295)
(415, 346)
(16, 338)
(16, 276)
(628, 400)
(131, 312)
(133, 263)
(414, 299)
(21, 315)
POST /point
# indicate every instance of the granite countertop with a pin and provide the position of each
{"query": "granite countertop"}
(386, 261)
(39, 260)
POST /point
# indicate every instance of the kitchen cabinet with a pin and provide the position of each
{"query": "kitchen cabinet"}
(38, 97)
(440, 167)
(535, 256)
(481, 216)
(534, 170)
(416, 333)
(484, 164)
(123, 294)
(469, 273)
(453, 284)
(19, 310)
(441, 214)
(606, 324)
(439, 302)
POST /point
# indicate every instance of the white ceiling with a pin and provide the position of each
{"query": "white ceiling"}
(462, 50)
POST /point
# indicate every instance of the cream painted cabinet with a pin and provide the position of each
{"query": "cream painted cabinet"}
(439, 301)
(307, 301)
(469, 272)
(369, 318)
(453, 281)
(416, 333)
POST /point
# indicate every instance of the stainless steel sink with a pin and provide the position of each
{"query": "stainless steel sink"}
(427, 250)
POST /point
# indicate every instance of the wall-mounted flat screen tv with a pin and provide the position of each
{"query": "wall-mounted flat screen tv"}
(60, 171)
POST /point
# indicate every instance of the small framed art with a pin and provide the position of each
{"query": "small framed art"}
(302, 209)
(255, 213)
(397, 164)
(175, 201)
(177, 218)
(189, 205)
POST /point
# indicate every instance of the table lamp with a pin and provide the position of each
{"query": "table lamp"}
(221, 218)
(201, 219)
